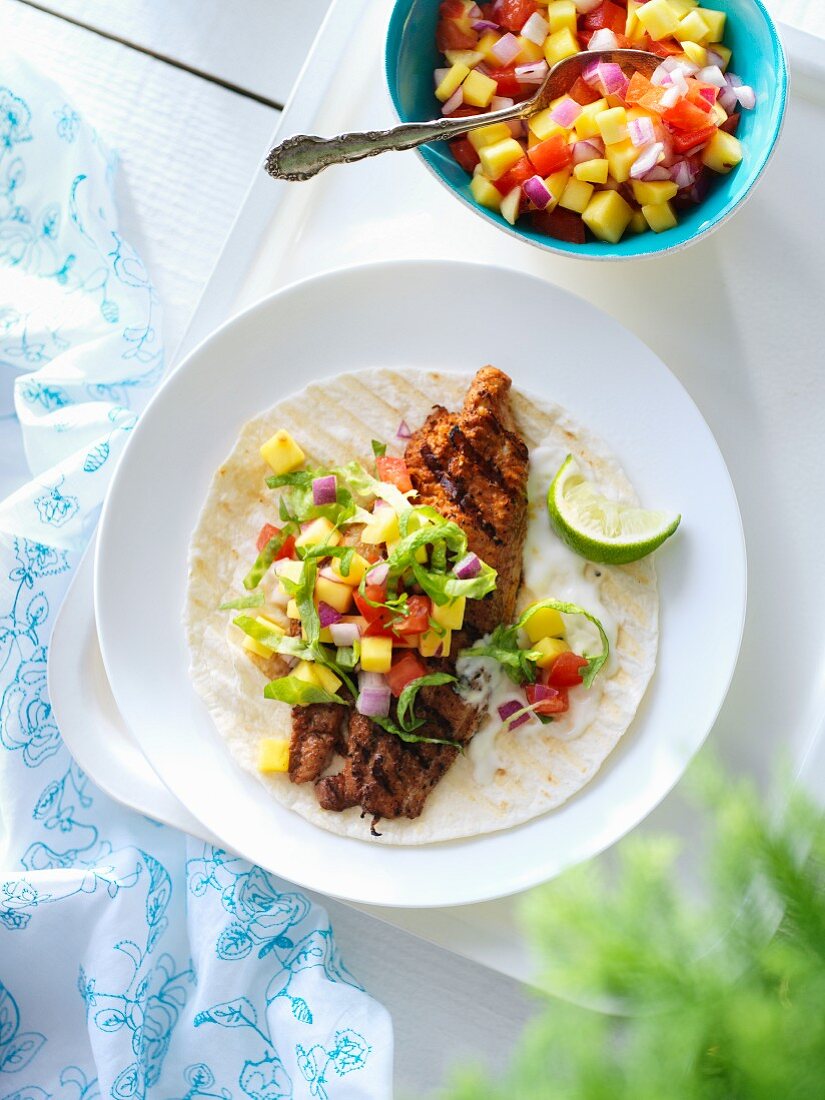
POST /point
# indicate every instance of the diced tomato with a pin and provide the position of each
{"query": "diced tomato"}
(513, 14)
(638, 87)
(450, 36)
(558, 703)
(268, 532)
(562, 224)
(702, 95)
(506, 82)
(565, 671)
(607, 15)
(451, 9)
(522, 170)
(376, 593)
(684, 116)
(550, 156)
(417, 618)
(683, 143)
(731, 125)
(393, 470)
(665, 47)
(464, 153)
(583, 93)
(406, 669)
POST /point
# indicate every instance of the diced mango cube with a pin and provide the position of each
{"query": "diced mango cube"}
(489, 135)
(511, 205)
(718, 115)
(714, 21)
(336, 595)
(585, 125)
(621, 157)
(543, 125)
(658, 18)
(561, 14)
(485, 48)
(273, 754)
(252, 645)
(633, 29)
(695, 53)
(376, 654)
(683, 7)
(292, 570)
(607, 216)
(327, 679)
(497, 159)
(648, 194)
(435, 644)
(383, 528)
(450, 615)
(692, 28)
(305, 671)
(529, 52)
(282, 453)
(544, 623)
(478, 89)
(556, 185)
(560, 45)
(324, 635)
(292, 611)
(485, 193)
(357, 568)
(451, 82)
(318, 531)
(550, 649)
(470, 58)
(722, 152)
(576, 196)
(660, 216)
(637, 222)
(612, 125)
(592, 171)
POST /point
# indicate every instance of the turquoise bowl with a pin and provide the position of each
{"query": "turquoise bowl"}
(758, 57)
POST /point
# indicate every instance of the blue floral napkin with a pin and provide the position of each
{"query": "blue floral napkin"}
(134, 961)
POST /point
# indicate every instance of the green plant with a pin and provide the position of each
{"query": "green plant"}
(722, 997)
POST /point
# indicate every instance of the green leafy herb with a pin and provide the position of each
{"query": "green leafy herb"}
(447, 537)
(362, 484)
(255, 600)
(298, 693)
(273, 638)
(378, 449)
(266, 557)
(347, 657)
(389, 726)
(302, 592)
(406, 700)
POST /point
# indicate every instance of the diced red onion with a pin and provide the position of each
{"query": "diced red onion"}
(679, 81)
(646, 160)
(506, 49)
(669, 64)
(603, 39)
(327, 615)
(714, 58)
(746, 96)
(682, 174)
(379, 573)
(670, 98)
(535, 29)
(566, 112)
(543, 692)
(583, 7)
(712, 74)
(733, 80)
(586, 150)
(537, 192)
(687, 68)
(516, 127)
(344, 634)
(590, 73)
(454, 102)
(475, 12)
(403, 431)
(329, 574)
(657, 173)
(470, 565)
(641, 131)
(532, 73)
(511, 707)
(279, 597)
(485, 25)
(728, 100)
(373, 702)
(325, 489)
(612, 79)
(500, 102)
(661, 76)
(438, 75)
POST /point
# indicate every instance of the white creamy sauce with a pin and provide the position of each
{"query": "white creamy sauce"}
(551, 570)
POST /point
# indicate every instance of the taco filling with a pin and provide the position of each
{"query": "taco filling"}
(390, 614)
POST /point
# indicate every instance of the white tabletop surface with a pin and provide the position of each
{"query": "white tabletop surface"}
(190, 93)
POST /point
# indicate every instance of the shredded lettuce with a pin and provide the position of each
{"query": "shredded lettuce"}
(298, 693)
(445, 537)
(266, 557)
(594, 664)
(379, 449)
(389, 726)
(255, 600)
(406, 700)
(302, 592)
(362, 484)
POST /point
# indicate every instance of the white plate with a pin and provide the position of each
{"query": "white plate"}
(441, 315)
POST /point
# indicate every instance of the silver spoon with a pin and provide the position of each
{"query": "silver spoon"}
(304, 156)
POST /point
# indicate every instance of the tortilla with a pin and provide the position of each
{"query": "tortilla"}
(334, 421)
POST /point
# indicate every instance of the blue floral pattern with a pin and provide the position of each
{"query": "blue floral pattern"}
(133, 962)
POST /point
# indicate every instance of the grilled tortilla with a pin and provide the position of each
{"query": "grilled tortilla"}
(535, 771)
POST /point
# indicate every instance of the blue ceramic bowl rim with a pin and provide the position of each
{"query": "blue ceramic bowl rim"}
(398, 14)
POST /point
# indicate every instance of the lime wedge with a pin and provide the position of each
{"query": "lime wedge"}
(600, 529)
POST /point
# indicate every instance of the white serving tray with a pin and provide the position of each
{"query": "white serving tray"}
(738, 318)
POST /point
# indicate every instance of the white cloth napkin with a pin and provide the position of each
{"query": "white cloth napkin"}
(134, 961)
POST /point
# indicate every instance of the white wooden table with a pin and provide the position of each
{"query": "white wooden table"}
(189, 92)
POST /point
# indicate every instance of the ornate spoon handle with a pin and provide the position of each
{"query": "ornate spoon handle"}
(304, 156)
